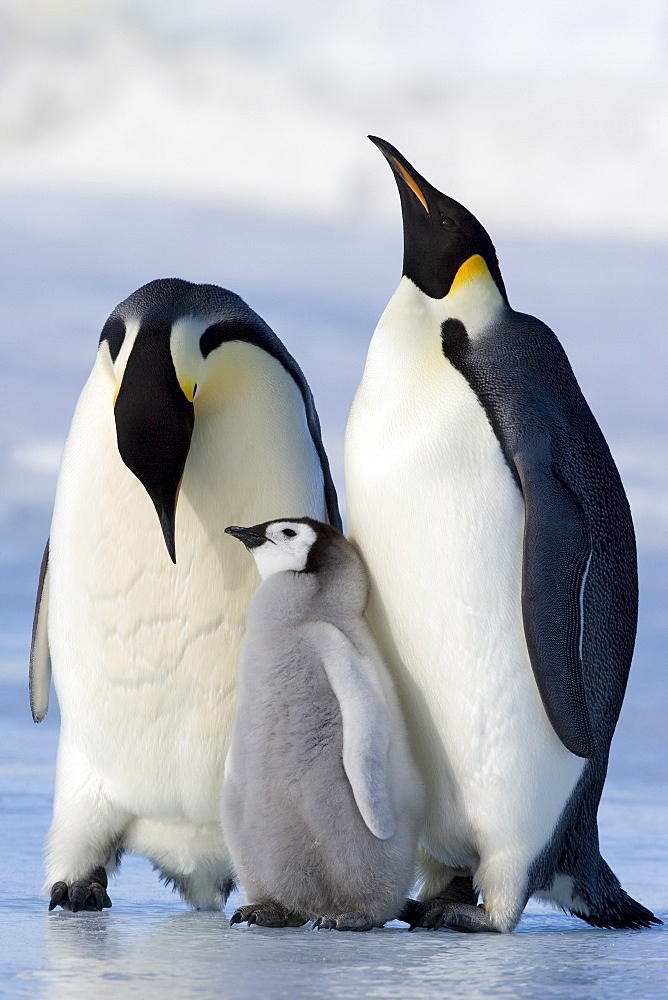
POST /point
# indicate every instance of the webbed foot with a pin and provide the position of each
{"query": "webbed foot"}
(344, 922)
(86, 894)
(266, 914)
(455, 908)
(459, 890)
(455, 916)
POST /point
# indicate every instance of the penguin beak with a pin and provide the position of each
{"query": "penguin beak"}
(167, 515)
(251, 537)
(406, 176)
(154, 424)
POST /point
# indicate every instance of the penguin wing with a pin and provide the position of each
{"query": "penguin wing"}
(366, 724)
(40, 659)
(557, 554)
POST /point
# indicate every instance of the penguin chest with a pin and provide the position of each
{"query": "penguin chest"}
(438, 517)
(435, 509)
(145, 652)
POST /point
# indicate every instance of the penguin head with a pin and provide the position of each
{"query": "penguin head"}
(443, 242)
(161, 347)
(299, 544)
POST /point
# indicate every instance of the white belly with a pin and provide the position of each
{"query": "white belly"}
(144, 652)
(435, 511)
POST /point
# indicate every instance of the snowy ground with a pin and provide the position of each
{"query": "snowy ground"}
(67, 261)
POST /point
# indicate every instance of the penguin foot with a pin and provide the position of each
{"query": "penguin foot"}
(455, 908)
(435, 914)
(344, 922)
(459, 890)
(87, 894)
(266, 915)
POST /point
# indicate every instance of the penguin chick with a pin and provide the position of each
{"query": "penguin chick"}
(506, 603)
(322, 802)
(193, 411)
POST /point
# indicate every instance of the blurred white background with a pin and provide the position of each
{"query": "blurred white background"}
(549, 115)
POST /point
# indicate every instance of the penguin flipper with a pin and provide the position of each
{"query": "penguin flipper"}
(366, 724)
(40, 659)
(557, 553)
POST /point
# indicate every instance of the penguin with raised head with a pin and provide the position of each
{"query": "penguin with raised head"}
(322, 802)
(499, 542)
(194, 410)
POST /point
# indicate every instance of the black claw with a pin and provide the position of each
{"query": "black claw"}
(97, 897)
(97, 894)
(58, 894)
(252, 918)
(77, 896)
(316, 924)
(100, 876)
(417, 915)
(86, 894)
(235, 918)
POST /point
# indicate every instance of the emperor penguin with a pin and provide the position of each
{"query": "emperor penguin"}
(485, 502)
(322, 802)
(196, 412)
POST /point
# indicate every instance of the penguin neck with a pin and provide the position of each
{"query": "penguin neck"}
(409, 331)
(474, 297)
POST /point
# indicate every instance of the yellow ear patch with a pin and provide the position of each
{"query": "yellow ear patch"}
(471, 270)
(411, 183)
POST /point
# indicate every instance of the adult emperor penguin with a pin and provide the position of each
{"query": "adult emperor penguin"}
(192, 398)
(322, 802)
(498, 537)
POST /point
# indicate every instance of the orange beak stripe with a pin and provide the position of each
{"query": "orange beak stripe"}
(411, 183)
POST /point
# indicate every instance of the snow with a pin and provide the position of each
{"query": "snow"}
(321, 285)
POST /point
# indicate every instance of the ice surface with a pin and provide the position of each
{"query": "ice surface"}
(67, 261)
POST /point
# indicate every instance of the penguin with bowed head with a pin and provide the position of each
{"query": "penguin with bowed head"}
(322, 802)
(196, 412)
(504, 584)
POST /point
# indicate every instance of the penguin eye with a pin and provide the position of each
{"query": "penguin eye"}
(447, 222)
(289, 533)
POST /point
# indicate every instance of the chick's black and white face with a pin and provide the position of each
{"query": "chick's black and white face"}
(287, 548)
